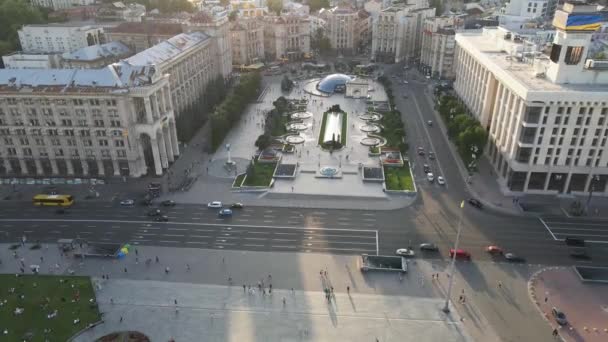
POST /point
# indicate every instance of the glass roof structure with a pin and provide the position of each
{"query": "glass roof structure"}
(329, 83)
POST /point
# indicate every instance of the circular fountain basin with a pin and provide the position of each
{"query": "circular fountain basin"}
(328, 171)
(370, 128)
(370, 117)
(294, 139)
(301, 115)
(370, 141)
(297, 126)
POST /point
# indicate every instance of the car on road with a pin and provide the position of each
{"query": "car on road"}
(510, 257)
(162, 218)
(580, 254)
(460, 254)
(155, 212)
(405, 82)
(494, 250)
(429, 247)
(225, 213)
(127, 202)
(559, 316)
(475, 202)
(432, 155)
(420, 151)
(168, 203)
(440, 180)
(430, 177)
(430, 123)
(214, 204)
(426, 168)
(405, 252)
(237, 205)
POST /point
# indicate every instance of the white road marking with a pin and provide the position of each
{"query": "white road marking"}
(288, 247)
(198, 243)
(245, 215)
(250, 245)
(344, 223)
(151, 234)
(177, 228)
(91, 226)
(85, 233)
(168, 241)
(279, 233)
(241, 220)
(284, 240)
(268, 221)
(201, 236)
(178, 235)
(548, 229)
(264, 239)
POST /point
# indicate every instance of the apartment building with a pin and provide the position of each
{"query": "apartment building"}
(113, 121)
(286, 37)
(59, 38)
(438, 45)
(546, 113)
(516, 13)
(144, 35)
(247, 39)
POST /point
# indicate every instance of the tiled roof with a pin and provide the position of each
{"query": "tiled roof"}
(91, 53)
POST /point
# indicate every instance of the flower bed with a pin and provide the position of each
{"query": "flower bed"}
(399, 178)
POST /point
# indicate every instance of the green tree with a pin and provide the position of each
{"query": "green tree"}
(316, 5)
(13, 15)
(263, 141)
(459, 124)
(233, 15)
(275, 6)
(473, 137)
(438, 4)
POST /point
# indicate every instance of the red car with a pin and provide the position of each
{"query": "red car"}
(460, 254)
(494, 250)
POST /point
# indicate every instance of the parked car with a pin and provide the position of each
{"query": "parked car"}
(440, 180)
(225, 213)
(155, 212)
(510, 257)
(430, 247)
(405, 252)
(426, 168)
(580, 254)
(559, 316)
(460, 254)
(494, 250)
(432, 155)
(168, 203)
(405, 82)
(475, 202)
(127, 202)
(430, 177)
(162, 218)
(236, 205)
(214, 204)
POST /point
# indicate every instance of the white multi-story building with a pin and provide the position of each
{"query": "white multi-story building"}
(113, 121)
(546, 115)
(215, 24)
(286, 36)
(61, 4)
(59, 38)
(247, 38)
(341, 28)
(516, 13)
(438, 45)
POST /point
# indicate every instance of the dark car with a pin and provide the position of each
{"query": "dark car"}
(236, 205)
(432, 155)
(475, 202)
(510, 257)
(168, 203)
(146, 201)
(162, 218)
(580, 254)
(429, 247)
(559, 316)
(155, 212)
(574, 241)
(426, 168)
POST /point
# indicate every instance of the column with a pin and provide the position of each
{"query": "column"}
(547, 180)
(168, 144)
(54, 167)
(116, 167)
(173, 135)
(100, 167)
(68, 163)
(528, 174)
(141, 158)
(567, 183)
(588, 183)
(163, 102)
(8, 166)
(39, 170)
(149, 117)
(156, 154)
(163, 152)
(85, 167)
(24, 170)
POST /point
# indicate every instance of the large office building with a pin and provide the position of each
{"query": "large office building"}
(247, 39)
(546, 112)
(438, 46)
(341, 27)
(144, 35)
(286, 37)
(59, 38)
(113, 121)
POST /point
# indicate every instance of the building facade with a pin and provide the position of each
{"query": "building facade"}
(59, 38)
(215, 24)
(247, 39)
(438, 45)
(61, 4)
(141, 36)
(286, 37)
(341, 28)
(546, 114)
(516, 13)
(114, 121)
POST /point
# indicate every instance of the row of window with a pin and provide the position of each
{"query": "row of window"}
(9, 141)
(112, 113)
(63, 122)
(59, 152)
(59, 102)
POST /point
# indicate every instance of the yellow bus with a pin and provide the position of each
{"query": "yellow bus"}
(56, 200)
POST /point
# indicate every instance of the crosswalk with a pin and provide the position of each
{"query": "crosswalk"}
(592, 231)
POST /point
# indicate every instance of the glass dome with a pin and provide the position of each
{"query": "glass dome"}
(330, 82)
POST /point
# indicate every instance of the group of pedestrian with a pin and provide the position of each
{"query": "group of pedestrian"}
(462, 299)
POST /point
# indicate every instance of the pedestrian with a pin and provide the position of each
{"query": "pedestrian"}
(188, 267)
(136, 251)
(41, 259)
(499, 284)
(112, 301)
(347, 289)
(120, 319)
(175, 301)
(157, 260)
(331, 290)
(546, 299)
(223, 261)
(167, 270)
(136, 261)
(283, 301)
(107, 276)
(244, 288)
(125, 270)
(460, 299)
(22, 269)
(230, 280)
(292, 291)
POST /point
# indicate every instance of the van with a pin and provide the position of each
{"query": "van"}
(574, 241)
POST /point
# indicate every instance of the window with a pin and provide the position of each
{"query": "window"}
(71, 142)
(566, 120)
(579, 120)
(8, 141)
(555, 129)
(94, 102)
(68, 132)
(55, 142)
(27, 151)
(34, 122)
(98, 123)
(42, 152)
(65, 122)
(39, 141)
(105, 153)
(59, 152)
(103, 142)
(121, 153)
(556, 49)
(11, 151)
(552, 141)
(78, 102)
(119, 143)
(588, 120)
(574, 54)
(24, 141)
(87, 142)
(573, 141)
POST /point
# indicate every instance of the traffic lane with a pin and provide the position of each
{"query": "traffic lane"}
(592, 231)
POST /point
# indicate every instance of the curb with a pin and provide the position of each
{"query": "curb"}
(83, 330)
(531, 284)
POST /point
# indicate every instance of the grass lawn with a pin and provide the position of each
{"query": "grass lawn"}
(239, 180)
(262, 174)
(42, 296)
(398, 178)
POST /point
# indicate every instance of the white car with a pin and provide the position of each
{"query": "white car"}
(405, 252)
(430, 177)
(405, 82)
(214, 204)
(440, 180)
(127, 202)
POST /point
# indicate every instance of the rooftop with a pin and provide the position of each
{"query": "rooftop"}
(168, 49)
(94, 52)
(169, 29)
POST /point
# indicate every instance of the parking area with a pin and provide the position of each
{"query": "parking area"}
(592, 231)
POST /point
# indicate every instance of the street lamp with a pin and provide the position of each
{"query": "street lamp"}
(446, 307)
(594, 179)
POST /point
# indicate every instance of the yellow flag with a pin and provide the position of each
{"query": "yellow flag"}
(462, 204)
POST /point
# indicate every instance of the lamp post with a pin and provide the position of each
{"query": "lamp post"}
(594, 179)
(446, 307)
